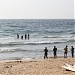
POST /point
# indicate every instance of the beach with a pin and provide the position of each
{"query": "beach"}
(48, 66)
(23, 56)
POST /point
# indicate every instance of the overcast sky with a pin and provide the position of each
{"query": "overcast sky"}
(36, 9)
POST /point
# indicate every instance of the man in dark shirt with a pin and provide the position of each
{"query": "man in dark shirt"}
(55, 52)
(17, 36)
(46, 52)
(72, 51)
(28, 36)
(25, 36)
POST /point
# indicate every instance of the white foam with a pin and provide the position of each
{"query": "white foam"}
(7, 49)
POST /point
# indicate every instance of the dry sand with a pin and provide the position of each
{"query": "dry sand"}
(36, 67)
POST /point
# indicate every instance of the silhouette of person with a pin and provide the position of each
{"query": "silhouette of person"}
(25, 36)
(28, 36)
(22, 37)
(17, 36)
(65, 52)
(55, 52)
(72, 51)
(46, 52)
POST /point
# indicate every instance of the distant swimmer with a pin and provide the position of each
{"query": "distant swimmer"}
(22, 37)
(28, 36)
(17, 36)
(25, 36)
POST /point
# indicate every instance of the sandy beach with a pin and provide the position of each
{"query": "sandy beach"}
(48, 66)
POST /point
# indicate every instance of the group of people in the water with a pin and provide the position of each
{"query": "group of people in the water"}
(26, 36)
(54, 49)
(55, 52)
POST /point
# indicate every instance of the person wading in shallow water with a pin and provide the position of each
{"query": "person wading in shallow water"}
(17, 36)
(65, 52)
(55, 52)
(22, 37)
(25, 36)
(46, 52)
(72, 51)
(28, 36)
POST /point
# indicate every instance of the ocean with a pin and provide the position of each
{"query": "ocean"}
(43, 33)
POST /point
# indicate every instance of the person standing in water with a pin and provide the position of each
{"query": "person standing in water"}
(17, 36)
(55, 52)
(72, 51)
(65, 52)
(22, 37)
(28, 36)
(46, 53)
(25, 36)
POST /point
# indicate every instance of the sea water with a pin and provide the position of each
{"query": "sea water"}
(43, 33)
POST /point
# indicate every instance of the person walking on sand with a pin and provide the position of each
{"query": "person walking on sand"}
(72, 51)
(46, 52)
(65, 52)
(55, 52)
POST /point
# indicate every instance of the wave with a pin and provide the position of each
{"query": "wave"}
(8, 50)
(71, 41)
(54, 39)
(30, 43)
(54, 31)
(60, 36)
(4, 50)
(59, 31)
(73, 33)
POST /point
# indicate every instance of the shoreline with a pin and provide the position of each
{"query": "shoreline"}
(35, 59)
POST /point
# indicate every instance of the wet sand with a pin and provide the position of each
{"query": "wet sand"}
(48, 66)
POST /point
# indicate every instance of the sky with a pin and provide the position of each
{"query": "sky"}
(37, 9)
